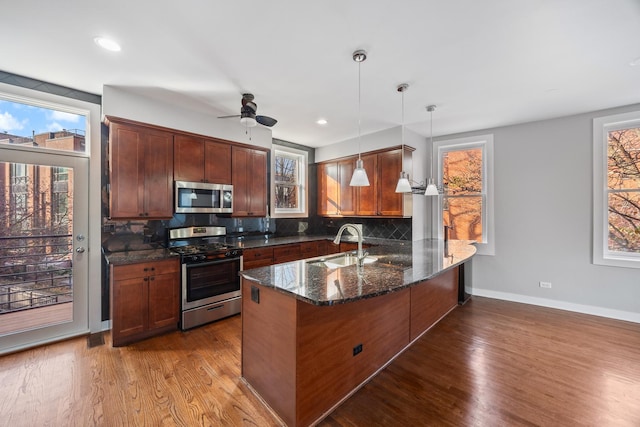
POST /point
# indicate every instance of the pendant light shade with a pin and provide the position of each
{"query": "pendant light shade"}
(359, 178)
(404, 186)
(431, 189)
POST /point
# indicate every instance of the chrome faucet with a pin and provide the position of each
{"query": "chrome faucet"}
(360, 254)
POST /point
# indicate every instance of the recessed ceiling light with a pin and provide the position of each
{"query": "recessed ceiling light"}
(635, 62)
(321, 121)
(108, 44)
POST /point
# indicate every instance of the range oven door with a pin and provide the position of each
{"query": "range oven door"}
(209, 282)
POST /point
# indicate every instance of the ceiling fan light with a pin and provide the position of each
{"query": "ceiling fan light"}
(359, 177)
(248, 122)
(403, 184)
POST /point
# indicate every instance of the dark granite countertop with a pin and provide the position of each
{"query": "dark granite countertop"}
(250, 243)
(136, 256)
(395, 265)
(138, 252)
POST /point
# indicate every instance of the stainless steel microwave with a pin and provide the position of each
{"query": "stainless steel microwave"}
(200, 197)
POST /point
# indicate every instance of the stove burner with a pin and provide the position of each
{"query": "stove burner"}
(197, 244)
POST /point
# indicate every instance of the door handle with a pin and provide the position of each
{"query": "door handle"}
(80, 249)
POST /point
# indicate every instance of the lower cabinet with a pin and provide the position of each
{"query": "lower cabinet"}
(262, 257)
(145, 300)
(257, 257)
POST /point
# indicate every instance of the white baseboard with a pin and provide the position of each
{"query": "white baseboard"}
(562, 305)
(106, 325)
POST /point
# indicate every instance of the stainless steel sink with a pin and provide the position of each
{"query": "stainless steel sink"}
(340, 260)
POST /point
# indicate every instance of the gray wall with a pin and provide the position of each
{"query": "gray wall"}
(543, 215)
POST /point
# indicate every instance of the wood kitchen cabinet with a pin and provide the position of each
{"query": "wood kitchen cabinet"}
(262, 257)
(337, 198)
(257, 257)
(380, 198)
(141, 172)
(144, 300)
(249, 179)
(335, 195)
(201, 160)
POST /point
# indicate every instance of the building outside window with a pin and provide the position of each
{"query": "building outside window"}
(465, 175)
(617, 190)
(289, 183)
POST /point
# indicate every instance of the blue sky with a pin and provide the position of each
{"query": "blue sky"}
(23, 120)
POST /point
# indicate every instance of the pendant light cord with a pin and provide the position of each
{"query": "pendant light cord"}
(359, 111)
(430, 109)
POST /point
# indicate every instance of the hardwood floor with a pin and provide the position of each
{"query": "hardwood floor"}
(496, 363)
(488, 363)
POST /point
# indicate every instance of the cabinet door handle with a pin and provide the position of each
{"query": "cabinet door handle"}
(146, 269)
(146, 279)
(152, 278)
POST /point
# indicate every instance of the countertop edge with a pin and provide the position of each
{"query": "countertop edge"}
(469, 245)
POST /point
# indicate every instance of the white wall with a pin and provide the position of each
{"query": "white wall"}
(543, 216)
(121, 102)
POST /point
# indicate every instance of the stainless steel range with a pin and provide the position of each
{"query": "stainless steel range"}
(210, 280)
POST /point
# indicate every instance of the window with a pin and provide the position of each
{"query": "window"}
(289, 183)
(19, 214)
(38, 126)
(465, 173)
(616, 186)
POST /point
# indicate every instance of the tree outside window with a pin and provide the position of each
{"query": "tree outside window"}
(623, 190)
(462, 183)
(465, 172)
(616, 190)
(289, 182)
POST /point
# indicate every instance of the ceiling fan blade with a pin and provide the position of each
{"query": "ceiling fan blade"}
(266, 121)
(228, 117)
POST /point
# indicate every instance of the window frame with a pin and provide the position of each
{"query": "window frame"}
(484, 142)
(601, 253)
(302, 157)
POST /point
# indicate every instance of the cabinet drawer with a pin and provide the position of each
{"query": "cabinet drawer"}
(286, 253)
(248, 265)
(257, 254)
(130, 271)
(310, 249)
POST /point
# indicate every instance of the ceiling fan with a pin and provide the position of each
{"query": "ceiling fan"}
(248, 115)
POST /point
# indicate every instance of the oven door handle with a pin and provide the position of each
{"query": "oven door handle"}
(205, 264)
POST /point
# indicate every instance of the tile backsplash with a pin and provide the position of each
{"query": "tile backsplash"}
(386, 228)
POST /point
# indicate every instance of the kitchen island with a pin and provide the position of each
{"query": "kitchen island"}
(314, 331)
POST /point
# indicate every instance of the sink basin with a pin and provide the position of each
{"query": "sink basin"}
(339, 261)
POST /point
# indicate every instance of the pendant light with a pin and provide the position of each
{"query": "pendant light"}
(403, 183)
(359, 177)
(431, 190)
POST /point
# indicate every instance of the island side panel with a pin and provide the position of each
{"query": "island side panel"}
(327, 368)
(269, 347)
(432, 299)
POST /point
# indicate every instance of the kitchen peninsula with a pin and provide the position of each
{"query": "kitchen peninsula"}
(315, 330)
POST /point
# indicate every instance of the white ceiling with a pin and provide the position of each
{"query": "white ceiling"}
(483, 63)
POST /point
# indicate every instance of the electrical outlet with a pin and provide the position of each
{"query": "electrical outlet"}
(545, 285)
(357, 349)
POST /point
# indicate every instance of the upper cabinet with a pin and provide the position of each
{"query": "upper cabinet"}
(335, 195)
(201, 160)
(337, 198)
(141, 172)
(249, 167)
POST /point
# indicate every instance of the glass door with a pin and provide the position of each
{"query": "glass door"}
(43, 239)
